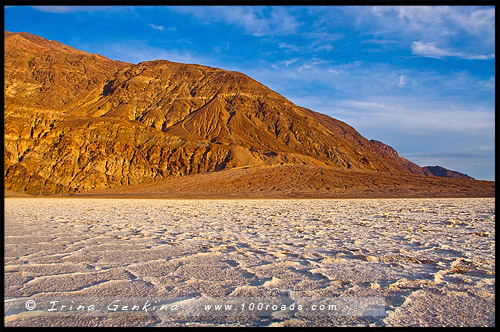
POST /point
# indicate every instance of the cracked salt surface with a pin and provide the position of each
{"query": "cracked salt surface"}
(431, 260)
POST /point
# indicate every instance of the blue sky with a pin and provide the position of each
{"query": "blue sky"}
(420, 79)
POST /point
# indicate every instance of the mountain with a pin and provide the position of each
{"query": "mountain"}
(443, 172)
(76, 122)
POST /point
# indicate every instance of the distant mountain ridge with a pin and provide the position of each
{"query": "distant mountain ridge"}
(428, 170)
(76, 122)
(443, 172)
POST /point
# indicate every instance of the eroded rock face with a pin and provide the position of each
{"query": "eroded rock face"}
(77, 155)
(76, 121)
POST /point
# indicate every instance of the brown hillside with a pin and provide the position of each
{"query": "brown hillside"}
(301, 181)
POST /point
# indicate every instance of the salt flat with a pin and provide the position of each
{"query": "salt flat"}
(432, 261)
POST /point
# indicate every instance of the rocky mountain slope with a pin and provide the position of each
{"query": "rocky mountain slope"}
(76, 122)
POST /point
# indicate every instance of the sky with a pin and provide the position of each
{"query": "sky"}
(420, 79)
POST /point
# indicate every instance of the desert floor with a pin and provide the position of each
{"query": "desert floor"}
(424, 262)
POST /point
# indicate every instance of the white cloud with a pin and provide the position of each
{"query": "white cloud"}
(420, 118)
(313, 47)
(157, 27)
(402, 80)
(290, 47)
(291, 61)
(432, 51)
(255, 20)
(441, 20)
(465, 32)
(322, 46)
(477, 21)
(304, 67)
(379, 41)
(144, 52)
(71, 9)
(429, 50)
(323, 37)
(55, 9)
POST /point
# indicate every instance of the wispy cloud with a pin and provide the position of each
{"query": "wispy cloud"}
(423, 118)
(144, 52)
(157, 27)
(402, 80)
(290, 47)
(324, 36)
(379, 41)
(442, 20)
(436, 31)
(449, 154)
(255, 20)
(432, 51)
(313, 47)
(71, 9)
(55, 9)
(286, 63)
